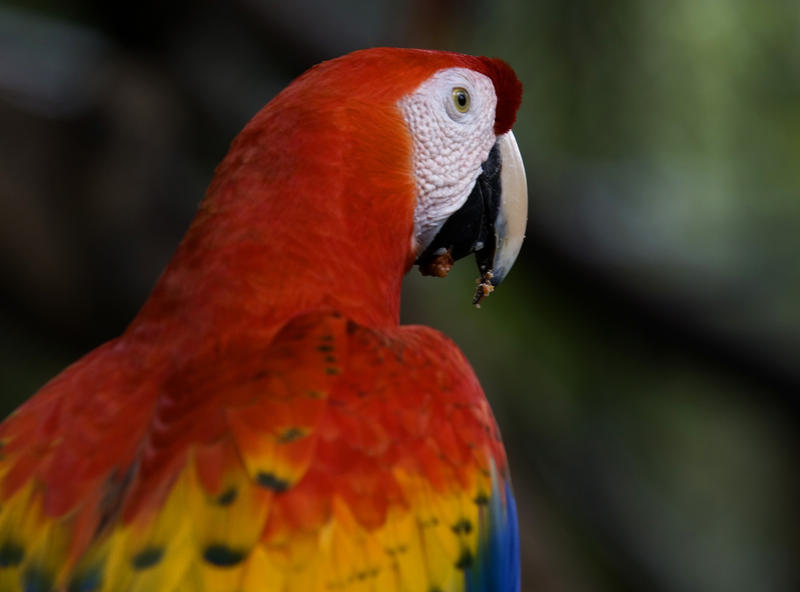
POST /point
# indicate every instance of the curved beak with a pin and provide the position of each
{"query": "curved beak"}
(511, 220)
(491, 223)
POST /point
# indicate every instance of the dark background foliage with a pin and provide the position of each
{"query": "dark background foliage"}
(642, 357)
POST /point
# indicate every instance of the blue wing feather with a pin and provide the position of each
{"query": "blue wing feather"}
(497, 568)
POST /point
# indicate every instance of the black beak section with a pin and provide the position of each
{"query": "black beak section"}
(491, 223)
(471, 228)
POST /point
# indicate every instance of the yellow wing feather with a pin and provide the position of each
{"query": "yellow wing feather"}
(225, 524)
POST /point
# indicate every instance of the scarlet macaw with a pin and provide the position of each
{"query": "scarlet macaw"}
(264, 423)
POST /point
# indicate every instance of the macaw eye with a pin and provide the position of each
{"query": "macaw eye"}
(460, 99)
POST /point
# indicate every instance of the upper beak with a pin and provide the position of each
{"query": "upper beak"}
(511, 220)
(491, 223)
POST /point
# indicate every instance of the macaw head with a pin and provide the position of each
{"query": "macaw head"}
(471, 194)
(362, 167)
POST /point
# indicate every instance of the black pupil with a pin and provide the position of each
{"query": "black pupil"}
(461, 97)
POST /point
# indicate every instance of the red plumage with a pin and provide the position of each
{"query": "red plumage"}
(271, 344)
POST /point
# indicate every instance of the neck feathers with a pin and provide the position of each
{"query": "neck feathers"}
(312, 207)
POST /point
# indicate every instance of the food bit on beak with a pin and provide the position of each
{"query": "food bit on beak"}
(440, 265)
(484, 288)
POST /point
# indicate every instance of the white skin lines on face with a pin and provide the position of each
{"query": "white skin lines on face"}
(451, 120)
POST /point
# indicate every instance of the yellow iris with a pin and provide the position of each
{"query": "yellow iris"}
(461, 99)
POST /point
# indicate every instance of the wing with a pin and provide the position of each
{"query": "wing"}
(336, 458)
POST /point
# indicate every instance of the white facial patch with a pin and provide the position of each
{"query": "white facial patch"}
(452, 136)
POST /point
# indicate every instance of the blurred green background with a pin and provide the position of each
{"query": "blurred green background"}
(643, 357)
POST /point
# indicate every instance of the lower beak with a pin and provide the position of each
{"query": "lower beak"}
(491, 223)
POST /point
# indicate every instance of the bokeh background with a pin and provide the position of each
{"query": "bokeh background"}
(643, 357)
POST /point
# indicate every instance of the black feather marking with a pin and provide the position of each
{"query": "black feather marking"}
(227, 497)
(11, 554)
(465, 560)
(147, 557)
(271, 481)
(222, 555)
(291, 434)
(463, 526)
